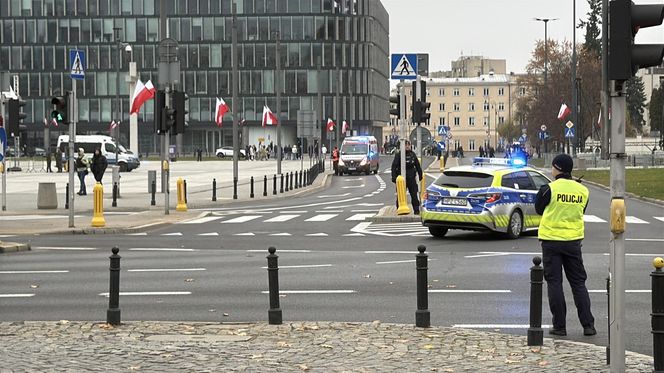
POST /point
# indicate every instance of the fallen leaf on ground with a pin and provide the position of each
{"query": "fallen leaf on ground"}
(189, 280)
(326, 346)
(428, 347)
(34, 286)
(303, 367)
(543, 363)
(225, 314)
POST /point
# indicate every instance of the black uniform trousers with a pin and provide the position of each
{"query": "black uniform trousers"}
(411, 186)
(557, 255)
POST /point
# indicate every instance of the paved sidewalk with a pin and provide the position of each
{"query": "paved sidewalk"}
(292, 347)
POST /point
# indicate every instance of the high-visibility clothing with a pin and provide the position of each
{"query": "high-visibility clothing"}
(335, 155)
(563, 216)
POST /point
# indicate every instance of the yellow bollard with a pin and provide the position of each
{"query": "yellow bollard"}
(98, 206)
(401, 196)
(423, 187)
(442, 164)
(182, 205)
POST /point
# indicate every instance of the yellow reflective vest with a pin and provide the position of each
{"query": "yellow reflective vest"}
(563, 216)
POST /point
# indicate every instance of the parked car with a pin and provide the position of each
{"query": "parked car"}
(227, 151)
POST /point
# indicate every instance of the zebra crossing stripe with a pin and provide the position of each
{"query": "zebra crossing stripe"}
(209, 234)
(660, 218)
(322, 217)
(203, 220)
(317, 235)
(360, 217)
(244, 234)
(635, 220)
(172, 234)
(281, 218)
(241, 219)
(281, 234)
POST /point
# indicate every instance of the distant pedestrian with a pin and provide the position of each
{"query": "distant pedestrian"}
(82, 170)
(49, 157)
(562, 204)
(98, 165)
(324, 151)
(481, 152)
(335, 160)
(58, 160)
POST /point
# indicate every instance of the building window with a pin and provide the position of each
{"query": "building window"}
(441, 107)
(471, 144)
(441, 92)
(441, 121)
(522, 91)
(471, 106)
(485, 121)
(457, 106)
(457, 121)
(471, 91)
(471, 121)
(486, 107)
(501, 91)
(455, 92)
(486, 92)
(501, 120)
(501, 106)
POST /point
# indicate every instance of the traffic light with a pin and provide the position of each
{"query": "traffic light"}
(421, 106)
(60, 108)
(179, 99)
(169, 117)
(626, 19)
(159, 105)
(424, 111)
(396, 110)
(15, 116)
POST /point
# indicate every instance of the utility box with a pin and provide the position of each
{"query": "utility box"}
(152, 177)
(116, 177)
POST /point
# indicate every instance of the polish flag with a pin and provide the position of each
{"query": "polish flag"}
(344, 126)
(599, 119)
(563, 112)
(269, 118)
(330, 125)
(220, 110)
(53, 120)
(142, 93)
(113, 125)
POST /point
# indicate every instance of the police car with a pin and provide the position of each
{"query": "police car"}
(493, 194)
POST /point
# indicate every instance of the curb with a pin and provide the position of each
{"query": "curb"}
(382, 217)
(12, 247)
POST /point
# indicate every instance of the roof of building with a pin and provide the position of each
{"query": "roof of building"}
(482, 79)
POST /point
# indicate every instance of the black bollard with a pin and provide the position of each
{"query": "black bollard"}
(265, 186)
(113, 312)
(184, 185)
(291, 180)
(296, 180)
(154, 192)
(235, 188)
(608, 320)
(658, 314)
(286, 189)
(301, 178)
(422, 316)
(251, 193)
(214, 190)
(274, 185)
(115, 195)
(535, 333)
(274, 313)
(67, 197)
(281, 184)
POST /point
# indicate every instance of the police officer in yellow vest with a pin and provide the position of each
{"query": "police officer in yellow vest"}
(562, 204)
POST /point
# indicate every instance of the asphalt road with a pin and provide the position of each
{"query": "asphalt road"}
(334, 265)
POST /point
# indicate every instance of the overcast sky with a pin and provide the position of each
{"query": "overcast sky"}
(499, 29)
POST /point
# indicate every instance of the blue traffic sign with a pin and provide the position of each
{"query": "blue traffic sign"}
(540, 135)
(3, 141)
(404, 66)
(522, 139)
(441, 146)
(442, 130)
(569, 132)
(77, 63)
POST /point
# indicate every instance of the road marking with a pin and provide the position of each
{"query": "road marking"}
(468, 291)
(360, 217)
(33, 217)
(660, 218)
(397, 262)
(166, 270)
(593, 219)
(317, 235)
(158, 293)
(16, 295)
(353, 186)
(325, 211)
(483, 254)
(280, 251)
(497, 326)
(645, 239)
(203, 220)
(281, 234)
(242, 219)
(172, 234)
(353, 179)
(354, 235)
(7, 235)
(244, 234)
(322, 217)
(374, 211)
(294, 212)
(303, 266)
(64, 248)
(280, 218)
(391, 252)
(28, 272)
(334, 195)
(137, 234)
(635, 220)
(158, 249)
(313, 292)
(209, 234)
(626, 291)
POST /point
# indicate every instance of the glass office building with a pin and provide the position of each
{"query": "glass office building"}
(348, 39)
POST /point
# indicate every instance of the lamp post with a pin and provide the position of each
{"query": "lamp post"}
(546, 46)
(128, 49)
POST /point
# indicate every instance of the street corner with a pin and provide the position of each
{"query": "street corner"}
(388, 214)
(11, 247)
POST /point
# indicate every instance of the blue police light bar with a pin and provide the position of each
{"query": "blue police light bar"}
(518, 162)
(510, 162)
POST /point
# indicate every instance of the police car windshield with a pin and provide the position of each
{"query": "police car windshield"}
(464, 179)
(354, 148)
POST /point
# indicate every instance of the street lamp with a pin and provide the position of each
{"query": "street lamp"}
(128, 49)
(546, 47)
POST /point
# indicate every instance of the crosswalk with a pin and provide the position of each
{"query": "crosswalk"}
(319, 216)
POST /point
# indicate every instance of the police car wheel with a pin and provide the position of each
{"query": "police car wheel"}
(438, 231)
(515, 225)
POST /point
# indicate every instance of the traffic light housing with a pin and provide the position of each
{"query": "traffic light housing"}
(626, 19)
(169, 117)
(396, 110)
(179, 99)
(421, 106)
(15, 116)
(60, 108)
(159, 105)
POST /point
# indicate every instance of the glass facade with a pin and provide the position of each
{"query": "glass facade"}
(347, 38)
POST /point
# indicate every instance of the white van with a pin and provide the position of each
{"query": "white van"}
(127, 160)
(359, 154)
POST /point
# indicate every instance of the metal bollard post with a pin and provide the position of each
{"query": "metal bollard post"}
(608, 320)
(297, 185)
(535, 333)
(274, 185)
(113, 312)
(251, 194)
(286, 189)
(154, 192)
(214, 190)
(422, 316)
(291, 180)
(301, 178)
(264, 185)
(67, 197)
(274, 313)
(235, 188)
(658, 314)
(115, 195)
(184, 186)
(281, 184)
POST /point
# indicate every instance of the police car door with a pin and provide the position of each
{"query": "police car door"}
(526, 193)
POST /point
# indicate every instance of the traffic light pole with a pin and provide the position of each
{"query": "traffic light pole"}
(418, 135)
(73, 116)
(277, 86)
(234, 89)
(402, 127)
(165, 168)
(4, 164)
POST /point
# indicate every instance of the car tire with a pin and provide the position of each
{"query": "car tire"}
(220, 155)
(515, 225)
(368, 171)
(123, 167)
(439, 232)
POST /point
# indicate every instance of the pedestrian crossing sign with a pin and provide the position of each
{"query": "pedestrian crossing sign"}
(569, 133)
(77, 62)
(404, 66)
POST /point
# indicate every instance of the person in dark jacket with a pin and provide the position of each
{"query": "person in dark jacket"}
(413, 168)
(98, 165)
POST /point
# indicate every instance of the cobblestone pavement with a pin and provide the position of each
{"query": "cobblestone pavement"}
(292, 347)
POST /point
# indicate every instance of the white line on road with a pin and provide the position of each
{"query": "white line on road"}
(136, 234)
(353, 186)
(496, 326)
(374, 211)
(29, 272)
(353, 179)
(326, 211)
(468, 291)
(593, 219)
(281, 234)
(647, 255)
(209, 234)
(166, 270)
(635, 220)
(321, 217)
(304, 266)
(241, 219)
(626, 291)
(281, 218)
(645, 239)
(158, 249)
(33, 217)
(6, 235)
(172, 234)
(660, 218)
(206, 219)
(244, 234)
(397, 262)
(354, 235)
(313, 292)
(280, 251)
(360, 217)
(16, 295)
(158, 293)
(64, 248)
(294, 212)
(317, 235)
(485, 255)
(334, 195)
(391, 252)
